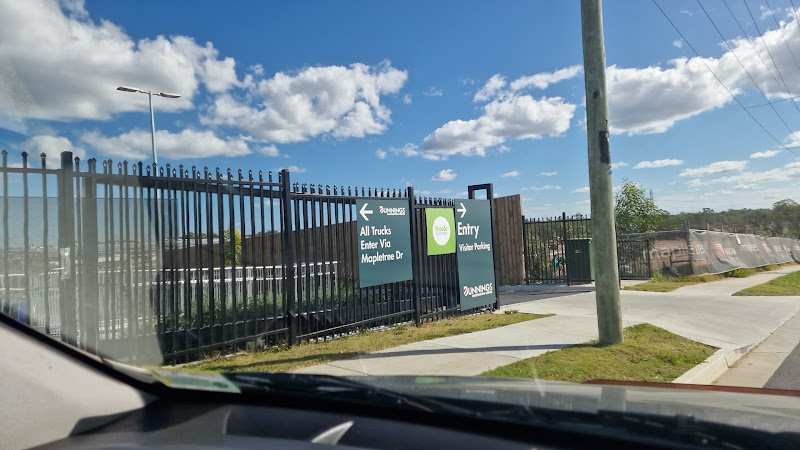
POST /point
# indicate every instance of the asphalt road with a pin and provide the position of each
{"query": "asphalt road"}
(788, 374)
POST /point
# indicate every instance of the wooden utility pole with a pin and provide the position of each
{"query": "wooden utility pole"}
(609, 316)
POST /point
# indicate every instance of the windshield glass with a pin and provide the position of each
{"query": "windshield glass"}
(538, 190)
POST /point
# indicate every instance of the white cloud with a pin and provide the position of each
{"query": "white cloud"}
(781, 174)
(746, 186)
(269, 150)
(658, 163)
(791, 171)
(407, 99)
(618, 164)
(544, 79)
(61, 66)
(490, 89)
(765, 154)
(444, 175)
(653, 99)
(778, 41)
(257, 69)
(548, 174)
(339, 101)
(423, 192)
(546, 187)
(696, 183)
(581, 190)
(75, 8)
(715, 167)
(433, 92)
(511, 174)
(52, 146)
(677, 43)
(792, 139)
(408, 151)
(293, 169)
(189, 143)
(433, 156)
(766, 12)
(510, 117)
(445, 191)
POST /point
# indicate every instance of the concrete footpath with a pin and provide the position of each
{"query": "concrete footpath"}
(705, 313)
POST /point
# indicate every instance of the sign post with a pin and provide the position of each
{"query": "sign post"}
(384, 241)
(475, 253)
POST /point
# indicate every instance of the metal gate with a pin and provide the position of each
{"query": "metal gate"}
(634, 259)
(546, 255)
(558, 250)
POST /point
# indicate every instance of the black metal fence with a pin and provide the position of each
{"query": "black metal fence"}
(110, 257)
(558, 250)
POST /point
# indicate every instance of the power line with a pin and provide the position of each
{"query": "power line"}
(782, 35)
(747, 72)
(763, 41)
(750, 41)
(721, 83)
(773, 102)
(794, 11)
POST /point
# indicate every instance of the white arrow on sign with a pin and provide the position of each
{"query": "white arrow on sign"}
(462, 210)
(364, 211)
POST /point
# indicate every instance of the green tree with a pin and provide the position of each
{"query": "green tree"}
(786, 216)
(236, 237)
(634, 211)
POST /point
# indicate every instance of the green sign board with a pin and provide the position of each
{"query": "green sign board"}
(475, 253)
(384, 241)
(441, 231)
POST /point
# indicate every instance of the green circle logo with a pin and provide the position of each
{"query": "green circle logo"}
(441, 230)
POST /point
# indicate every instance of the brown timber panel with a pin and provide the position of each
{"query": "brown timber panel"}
(508, 240)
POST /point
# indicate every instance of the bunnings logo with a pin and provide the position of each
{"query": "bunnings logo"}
(392, 211)
(479, 290)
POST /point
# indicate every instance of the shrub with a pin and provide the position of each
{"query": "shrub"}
(740, 273)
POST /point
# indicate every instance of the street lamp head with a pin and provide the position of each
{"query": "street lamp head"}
(152, 122)
(128, 89)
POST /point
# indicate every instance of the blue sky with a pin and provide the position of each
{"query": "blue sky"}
(438, 95)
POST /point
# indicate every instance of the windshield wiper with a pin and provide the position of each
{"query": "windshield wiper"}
(337, 388)
(345, 389)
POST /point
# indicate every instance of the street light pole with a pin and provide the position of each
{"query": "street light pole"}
(150, 95)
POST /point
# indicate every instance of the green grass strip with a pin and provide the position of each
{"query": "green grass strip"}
(662, 283)
(785, 285)
(280, 359)
(659, 286)
(648, 353)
